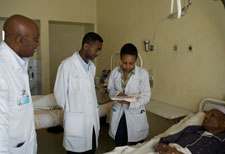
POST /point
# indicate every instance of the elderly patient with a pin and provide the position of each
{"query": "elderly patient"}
(206, 139)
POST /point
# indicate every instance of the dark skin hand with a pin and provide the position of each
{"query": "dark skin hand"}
(122, 102)
(165, 149)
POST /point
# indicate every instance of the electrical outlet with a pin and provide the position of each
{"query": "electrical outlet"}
(152, 47)
(175, 48)
(190, 48)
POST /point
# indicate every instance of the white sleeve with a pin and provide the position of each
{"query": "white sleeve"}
(111, 85)
(4, 118)
(61, 86)
(145, 91)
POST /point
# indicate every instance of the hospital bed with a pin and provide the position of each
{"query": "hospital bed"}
(148, 147)
(48, 114)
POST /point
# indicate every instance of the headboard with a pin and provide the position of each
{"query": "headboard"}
(210, 103)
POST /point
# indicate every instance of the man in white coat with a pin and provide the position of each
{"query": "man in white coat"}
(75, 92)
(17, 130)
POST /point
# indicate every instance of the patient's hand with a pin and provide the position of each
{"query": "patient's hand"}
(165, 149)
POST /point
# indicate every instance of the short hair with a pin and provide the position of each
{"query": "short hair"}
(91, 37)
(129, 49)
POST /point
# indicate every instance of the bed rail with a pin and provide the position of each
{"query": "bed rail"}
(210, 103)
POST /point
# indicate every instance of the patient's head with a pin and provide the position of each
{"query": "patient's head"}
(214, 121)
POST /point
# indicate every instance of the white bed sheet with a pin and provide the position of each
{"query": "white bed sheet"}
(46, 112)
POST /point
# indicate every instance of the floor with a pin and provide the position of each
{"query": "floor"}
(49, 143)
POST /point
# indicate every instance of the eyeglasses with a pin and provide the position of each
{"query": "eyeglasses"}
(36, 39)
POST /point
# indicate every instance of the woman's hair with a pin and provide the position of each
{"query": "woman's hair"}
(129, 49)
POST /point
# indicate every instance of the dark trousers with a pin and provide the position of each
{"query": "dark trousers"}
(92, 151)
(121, 138)
(121, 133)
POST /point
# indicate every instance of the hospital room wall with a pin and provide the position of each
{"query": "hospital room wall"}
(73, 11)
(181, 78)
(65, 39)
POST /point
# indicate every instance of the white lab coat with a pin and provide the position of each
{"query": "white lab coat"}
(75, 92)
(16, 120)
(135, 113)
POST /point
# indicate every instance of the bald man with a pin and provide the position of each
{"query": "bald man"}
(17, 130)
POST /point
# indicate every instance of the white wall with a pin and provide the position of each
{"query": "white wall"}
(80, 11)
(65, 38)
(181, 78)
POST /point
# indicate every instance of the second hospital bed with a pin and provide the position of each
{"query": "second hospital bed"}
(48, 114)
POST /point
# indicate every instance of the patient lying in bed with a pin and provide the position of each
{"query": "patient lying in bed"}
(201, 133)
(208, 138)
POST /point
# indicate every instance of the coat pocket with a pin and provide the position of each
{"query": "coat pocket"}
(74, 84)
(20, 149)
(26, 147)
(137, 121)
(73, 124)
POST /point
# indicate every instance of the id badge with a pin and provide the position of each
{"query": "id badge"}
(25, 98)
(114, 110)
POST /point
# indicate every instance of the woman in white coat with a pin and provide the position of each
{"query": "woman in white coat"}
(128, 120)
(75, 92)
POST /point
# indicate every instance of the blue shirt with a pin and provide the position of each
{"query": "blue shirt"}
(83, 63)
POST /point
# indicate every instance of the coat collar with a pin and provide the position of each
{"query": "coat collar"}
(135, 72)
(12, 58)
(120, 69)
(85, 65)
(78, 63)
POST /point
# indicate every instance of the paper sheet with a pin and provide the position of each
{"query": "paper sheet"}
(128, 98)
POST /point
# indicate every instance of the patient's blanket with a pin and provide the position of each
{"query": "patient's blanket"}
(148, 147)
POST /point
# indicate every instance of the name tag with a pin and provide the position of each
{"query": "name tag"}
(25, 98)
(114, 110)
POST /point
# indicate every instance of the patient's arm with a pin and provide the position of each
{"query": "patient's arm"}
(165, 149)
